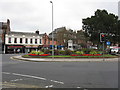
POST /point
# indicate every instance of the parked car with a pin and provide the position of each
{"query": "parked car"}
(115, 50)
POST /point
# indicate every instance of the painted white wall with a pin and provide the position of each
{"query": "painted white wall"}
(23, 40)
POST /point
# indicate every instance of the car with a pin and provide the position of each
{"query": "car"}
(115, 50)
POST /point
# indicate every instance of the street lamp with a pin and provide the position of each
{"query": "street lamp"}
(52, 31)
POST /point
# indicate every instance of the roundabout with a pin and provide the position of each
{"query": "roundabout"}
(65, 59)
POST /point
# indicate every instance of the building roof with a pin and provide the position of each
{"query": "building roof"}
(24, 33)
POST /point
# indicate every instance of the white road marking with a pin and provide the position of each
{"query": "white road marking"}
(29, 76)
(5, 73)
(57, 81)
(46, 86)
(78, 87)
(49, 86)
(35, 77)
(16, 80)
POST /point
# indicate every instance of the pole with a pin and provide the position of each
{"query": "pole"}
(103, 51)
(52, 32)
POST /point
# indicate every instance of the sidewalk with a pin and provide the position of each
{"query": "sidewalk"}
(62, 59)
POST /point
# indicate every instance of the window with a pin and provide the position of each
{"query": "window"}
(40, 41)
(15, 40)
(48, 42)
(31, 40)
(26, 40)
(9, 41)
(20, 40)
(35, 41)
(70, 46)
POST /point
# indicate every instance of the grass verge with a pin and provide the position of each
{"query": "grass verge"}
(68, 56)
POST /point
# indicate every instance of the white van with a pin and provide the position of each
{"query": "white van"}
(115, 50)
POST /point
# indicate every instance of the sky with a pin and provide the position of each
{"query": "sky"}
(32, 15)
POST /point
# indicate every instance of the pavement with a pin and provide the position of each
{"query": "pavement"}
(62, 59)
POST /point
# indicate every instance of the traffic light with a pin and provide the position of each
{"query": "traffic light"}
(102, 37)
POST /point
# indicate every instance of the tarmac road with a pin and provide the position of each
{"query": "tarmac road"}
(58, 74)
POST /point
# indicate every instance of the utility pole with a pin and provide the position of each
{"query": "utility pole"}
(52, 32)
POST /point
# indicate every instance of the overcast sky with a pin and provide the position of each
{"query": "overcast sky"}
(31, 15)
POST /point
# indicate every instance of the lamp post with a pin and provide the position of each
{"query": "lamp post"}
(52, 32)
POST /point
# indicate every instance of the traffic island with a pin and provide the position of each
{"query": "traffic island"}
(59, 59)
(71, 56)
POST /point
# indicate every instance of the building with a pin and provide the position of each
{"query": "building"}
(47, 42)
(1, 37)
(4, 29)
(22, 42)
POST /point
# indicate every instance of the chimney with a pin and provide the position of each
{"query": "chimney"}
(37, 32)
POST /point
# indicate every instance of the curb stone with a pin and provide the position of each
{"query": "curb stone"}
(62, 60)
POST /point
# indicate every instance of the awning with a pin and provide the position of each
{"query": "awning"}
(52, 45)
(60, 46)
(45, 45)
(15, 46)
(31, 46)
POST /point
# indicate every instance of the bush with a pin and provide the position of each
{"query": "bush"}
(47, 51)
(86, 50)
(33, 52)
(79, 52)
(93, 52)
(62, 52)
(100, 52)
(36, 52)
(56, 52)
(68, 52)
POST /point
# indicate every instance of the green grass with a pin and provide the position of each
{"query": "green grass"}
(67, 56)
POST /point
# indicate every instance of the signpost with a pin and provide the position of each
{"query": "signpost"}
(108, 43)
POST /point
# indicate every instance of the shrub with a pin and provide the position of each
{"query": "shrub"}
(79, 52)
(33, 52)
(100, 52)
(62, 52)
(68, 52)
(87, 50)
(46, 51)
(36, 52)
(56, 52)
(40, 52)
(93, 52)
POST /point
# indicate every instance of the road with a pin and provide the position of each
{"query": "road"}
(58, 74)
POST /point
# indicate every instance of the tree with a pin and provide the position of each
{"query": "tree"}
(101, 22)
(81, 38)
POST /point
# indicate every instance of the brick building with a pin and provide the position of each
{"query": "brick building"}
(4, 29)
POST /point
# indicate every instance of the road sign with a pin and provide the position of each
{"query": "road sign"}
(108, 43)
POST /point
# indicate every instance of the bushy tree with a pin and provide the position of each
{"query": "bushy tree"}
(102, 22)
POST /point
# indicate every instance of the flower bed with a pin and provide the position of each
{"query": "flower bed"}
(39, 54)
(86, 55)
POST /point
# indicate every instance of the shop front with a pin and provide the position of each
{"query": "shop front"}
(29, 48)
(15, 49)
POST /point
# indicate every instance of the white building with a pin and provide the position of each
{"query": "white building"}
(21, 42)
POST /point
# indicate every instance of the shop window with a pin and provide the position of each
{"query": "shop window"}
(15, 40)
(20, 40)
(9, 41)
(26, 40)
(35, 41)
(31, 41)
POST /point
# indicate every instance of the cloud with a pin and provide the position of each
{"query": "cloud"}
(30, 15)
